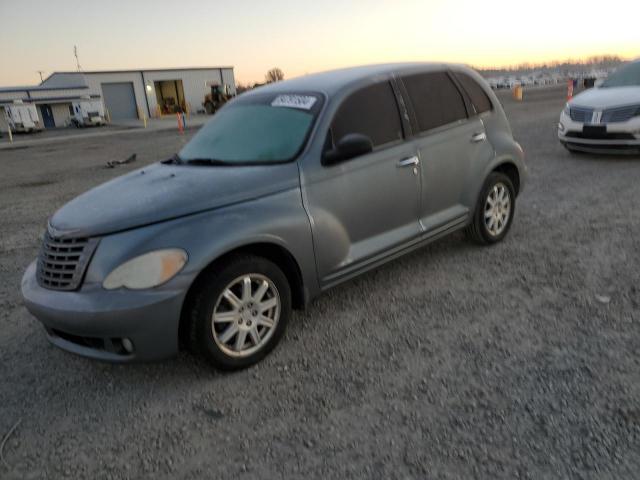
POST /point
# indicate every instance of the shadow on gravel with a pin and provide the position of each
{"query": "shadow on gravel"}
(38, 183)
(602, 157)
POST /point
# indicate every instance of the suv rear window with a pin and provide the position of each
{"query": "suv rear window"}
(371, 111)
(477, 95)
(435, 98)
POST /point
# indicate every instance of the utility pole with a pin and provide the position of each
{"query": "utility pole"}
(40, 72)
(75, 53)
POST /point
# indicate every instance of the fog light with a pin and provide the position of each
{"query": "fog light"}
(127, 345)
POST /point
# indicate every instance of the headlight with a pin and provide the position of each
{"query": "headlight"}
(567, 110)
(148, 270)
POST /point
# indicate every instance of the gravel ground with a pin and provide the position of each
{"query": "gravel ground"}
(515, 361)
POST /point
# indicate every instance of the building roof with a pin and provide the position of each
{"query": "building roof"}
(135, 70)
(40, 88)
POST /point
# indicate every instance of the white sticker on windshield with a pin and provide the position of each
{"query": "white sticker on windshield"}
(304, 102)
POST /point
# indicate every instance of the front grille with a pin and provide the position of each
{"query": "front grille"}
(63, 261)
(111, 345)
(601, 136)
(91, 342)
(581, 115)
(620, 114)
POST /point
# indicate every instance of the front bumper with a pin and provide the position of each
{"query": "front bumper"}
(92, 322)
(622, 137)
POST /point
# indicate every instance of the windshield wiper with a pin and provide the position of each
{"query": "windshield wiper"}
(206, 161)
(175, 159)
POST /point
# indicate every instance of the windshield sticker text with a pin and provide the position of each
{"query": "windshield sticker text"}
(304, 102)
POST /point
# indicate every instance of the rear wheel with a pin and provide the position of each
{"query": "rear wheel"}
(239, 312)
(494, 210)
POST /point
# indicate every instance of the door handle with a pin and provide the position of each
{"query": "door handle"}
(408, 162)
(478, 137)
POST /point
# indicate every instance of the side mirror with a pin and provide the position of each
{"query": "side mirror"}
(350, 146)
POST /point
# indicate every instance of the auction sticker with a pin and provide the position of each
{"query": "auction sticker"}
(303, 102)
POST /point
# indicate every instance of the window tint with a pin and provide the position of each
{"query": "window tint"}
(372, 111)
(435, 98)
(477, 95)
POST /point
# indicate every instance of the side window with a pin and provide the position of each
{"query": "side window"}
(435, 98)
(372, 111)
(477, 95)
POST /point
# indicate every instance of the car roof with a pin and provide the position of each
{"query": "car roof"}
(333, 81)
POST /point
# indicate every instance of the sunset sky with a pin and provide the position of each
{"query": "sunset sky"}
(305, 36)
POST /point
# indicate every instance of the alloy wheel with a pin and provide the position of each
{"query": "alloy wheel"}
(497, 209)
(245, 315)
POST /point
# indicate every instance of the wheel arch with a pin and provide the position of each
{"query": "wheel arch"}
(274, 252)
(510, 169)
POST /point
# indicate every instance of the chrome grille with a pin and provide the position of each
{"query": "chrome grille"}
(63, 261)
(582, 115)
(620, 114)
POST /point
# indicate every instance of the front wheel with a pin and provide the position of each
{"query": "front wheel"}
(494, 210)
(239, 312)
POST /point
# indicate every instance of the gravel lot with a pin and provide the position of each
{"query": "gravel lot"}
(516, 361)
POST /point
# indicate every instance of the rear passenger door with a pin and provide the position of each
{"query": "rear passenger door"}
(449, 137)
(364, 208)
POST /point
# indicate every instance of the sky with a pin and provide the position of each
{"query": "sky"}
(301, 36)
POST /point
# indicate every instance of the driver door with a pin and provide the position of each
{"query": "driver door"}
(365, 208)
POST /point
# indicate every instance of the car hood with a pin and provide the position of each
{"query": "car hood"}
(607, 97)
(165, 191)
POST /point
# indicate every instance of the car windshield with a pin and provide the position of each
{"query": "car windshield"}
(256, 129)
(627, 76)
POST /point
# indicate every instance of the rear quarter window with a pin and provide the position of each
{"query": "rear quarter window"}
(435, 98)
(476, 93)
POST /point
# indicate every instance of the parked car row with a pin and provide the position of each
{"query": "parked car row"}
(588, 78)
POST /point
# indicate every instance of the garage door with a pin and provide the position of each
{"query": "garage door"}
(120, 100)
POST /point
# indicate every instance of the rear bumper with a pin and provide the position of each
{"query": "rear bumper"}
(93, 322)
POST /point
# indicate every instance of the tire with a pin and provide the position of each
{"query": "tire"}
(239, 317)
(208, 107)
(479, 230)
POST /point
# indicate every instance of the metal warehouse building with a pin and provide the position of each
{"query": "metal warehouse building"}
(126, 94)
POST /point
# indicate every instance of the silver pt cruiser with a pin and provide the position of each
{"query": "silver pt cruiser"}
(287, 191)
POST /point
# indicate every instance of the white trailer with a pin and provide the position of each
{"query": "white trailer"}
(87, 112)
(22, 117)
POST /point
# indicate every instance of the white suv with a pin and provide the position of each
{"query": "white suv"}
(607, 118)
